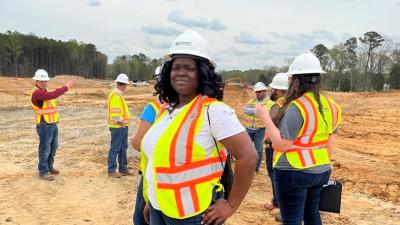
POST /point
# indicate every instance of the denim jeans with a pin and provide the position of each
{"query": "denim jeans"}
(138, 218)
(48, 144)
(257, 137)
(298, 195)
(269, 155)
(159, 218)
(118, 148)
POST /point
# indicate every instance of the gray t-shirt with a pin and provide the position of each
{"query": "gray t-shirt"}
(290, 126)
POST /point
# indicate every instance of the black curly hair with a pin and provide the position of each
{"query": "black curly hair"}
(210, 83)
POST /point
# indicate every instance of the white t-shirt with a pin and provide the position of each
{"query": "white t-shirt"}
(223, 122)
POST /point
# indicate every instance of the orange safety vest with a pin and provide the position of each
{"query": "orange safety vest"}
(118, 110)
(185, 172)
(48, 111)
(310, 147)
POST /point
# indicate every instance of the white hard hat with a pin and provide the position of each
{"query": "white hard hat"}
(280, 81)
(41, 74)
(305, 63)
(260, 86)
(190, 43)
(157, 71)
(122, 78)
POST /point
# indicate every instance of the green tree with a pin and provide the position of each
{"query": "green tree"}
(322, 54)
(394, 76)
(371, 40)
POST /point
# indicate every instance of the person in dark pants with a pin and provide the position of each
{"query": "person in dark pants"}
(254, 127)
(279, 86)
(46, 115)
(302, 143)
(118, 121)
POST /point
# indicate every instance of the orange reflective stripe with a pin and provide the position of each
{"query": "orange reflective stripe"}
(179, 202)
(298, 144)
(45, 111)
(193, 165)
(315, 118)
(305, 118)
(115, 110)
(195, 199)
(299, 153)
(172, 157)
(190, 182)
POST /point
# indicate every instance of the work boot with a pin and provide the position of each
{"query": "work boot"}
(126, 173)
(47, 177)
(114, 175)
(54, 171)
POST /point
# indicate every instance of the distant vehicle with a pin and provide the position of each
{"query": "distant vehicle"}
(139, 83)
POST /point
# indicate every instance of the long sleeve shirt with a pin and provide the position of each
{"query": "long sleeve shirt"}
(41, 95)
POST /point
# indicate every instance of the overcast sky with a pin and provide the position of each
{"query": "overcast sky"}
(242, 34)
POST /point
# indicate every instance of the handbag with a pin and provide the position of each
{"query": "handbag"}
(227, 176)
(331, 197)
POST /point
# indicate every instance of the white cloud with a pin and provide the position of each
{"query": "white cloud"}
(179, 17)
(94, 3)
(247, 38)
(159, 30)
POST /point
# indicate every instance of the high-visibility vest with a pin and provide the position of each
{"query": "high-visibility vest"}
(310, 147)
(118, 110)
(253, 121)
(185, 172)
(48, 111)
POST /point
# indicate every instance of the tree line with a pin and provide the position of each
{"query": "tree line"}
(367, 63)
(22, 54)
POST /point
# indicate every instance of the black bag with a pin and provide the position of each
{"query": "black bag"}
(331, 197)
(227, 176)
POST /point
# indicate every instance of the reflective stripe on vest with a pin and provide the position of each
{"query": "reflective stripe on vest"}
(310, 147)
(121, 109)
(48, 111)
(189, 180)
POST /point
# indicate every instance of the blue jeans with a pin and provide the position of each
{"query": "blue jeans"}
(257, 137)
(138, 218)
(118, 147)
(298, 195)
(48, 144)
(269, 155)
(159, 218)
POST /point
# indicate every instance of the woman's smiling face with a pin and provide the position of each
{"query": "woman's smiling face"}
(184, 76)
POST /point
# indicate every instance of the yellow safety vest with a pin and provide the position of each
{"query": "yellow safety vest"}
(118, 110)
(253, 121)
(48, 111)
(310, 147)
(185, 172)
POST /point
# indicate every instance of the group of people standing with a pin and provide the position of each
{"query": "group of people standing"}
(186, 136)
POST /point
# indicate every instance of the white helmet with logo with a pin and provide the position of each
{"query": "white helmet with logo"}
(41, 75)
(122, 78)
(259, 86)
(280, 81)
(305, 63)
(189, 43)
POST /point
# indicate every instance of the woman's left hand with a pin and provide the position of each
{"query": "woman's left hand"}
(218, 212)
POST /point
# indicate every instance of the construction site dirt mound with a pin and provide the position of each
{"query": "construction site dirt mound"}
(366, 159)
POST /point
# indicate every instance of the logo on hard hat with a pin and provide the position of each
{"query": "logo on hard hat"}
(183, 43)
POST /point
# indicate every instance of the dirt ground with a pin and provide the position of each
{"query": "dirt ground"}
(366, 159)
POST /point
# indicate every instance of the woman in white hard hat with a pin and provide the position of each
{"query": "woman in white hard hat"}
(184, 151)
(302, 143)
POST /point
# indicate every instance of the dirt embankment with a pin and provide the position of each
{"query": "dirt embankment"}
(366, 159)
